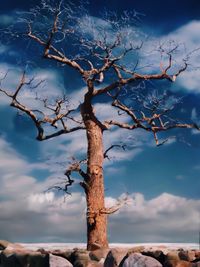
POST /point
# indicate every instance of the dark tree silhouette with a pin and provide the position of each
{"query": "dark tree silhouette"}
(109, 56)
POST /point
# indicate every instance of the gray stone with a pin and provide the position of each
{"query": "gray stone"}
(139, 260)
(80, 258)
(23, 258)
(15, 246)
(177, 263)
(157, 254)
(56, 261)
(99, 254)
(62, 253)
(196, 264)
(4, 244)
(173, 255)
(114, 257)
(95, 264)
(187, 255)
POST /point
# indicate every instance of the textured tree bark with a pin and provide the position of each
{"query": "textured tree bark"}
(94, 189)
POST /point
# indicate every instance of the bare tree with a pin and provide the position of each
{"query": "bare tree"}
(108, 59)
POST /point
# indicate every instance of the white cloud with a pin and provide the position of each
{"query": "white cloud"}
(190, 80)
(51, 87)
(3, 48)
(180, 177)
(188, 38)
(15, 174)
(188, 34)
(196, 119)
(167, 217)
(6, 19)
(10, 160)
(194, 114)
(26, 211)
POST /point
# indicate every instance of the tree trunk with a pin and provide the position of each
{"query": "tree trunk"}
(94, 189)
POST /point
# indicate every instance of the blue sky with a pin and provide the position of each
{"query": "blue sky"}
(163, 183)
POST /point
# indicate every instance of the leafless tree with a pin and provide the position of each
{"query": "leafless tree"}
(107, 57)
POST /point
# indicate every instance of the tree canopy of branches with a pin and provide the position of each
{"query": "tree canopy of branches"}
(111, 56)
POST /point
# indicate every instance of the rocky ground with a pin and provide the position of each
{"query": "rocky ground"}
(16, 255)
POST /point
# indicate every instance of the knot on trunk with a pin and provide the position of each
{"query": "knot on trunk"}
(95, 169)
(93, 216)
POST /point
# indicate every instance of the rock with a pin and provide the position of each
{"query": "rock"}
(15, 246)
(94, 246)
(187, 255)
(196, 264)
(137, 249)
(79, 258)
(157, 254)
(177, 263)
(183, 255)
(139, 260)
(191, 255)
(42, 251)
(99, 254)
(23, 258)
(173, 255)
(183, 263)
(96, 264)
(115, 256)
(4, 244)
(56, 261)
(62, 253)
(197, 254)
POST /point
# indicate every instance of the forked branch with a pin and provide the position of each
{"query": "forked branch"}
(120, 203)
(157, 119)
(32, 113)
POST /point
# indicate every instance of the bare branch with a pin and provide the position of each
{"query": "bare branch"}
(116, 207)
(31, 113)
(121, 125)
(75, 166)
(137, 77)
(59, 57)
(60, 132)
(58, 187)
(105, 154)
(155, 122)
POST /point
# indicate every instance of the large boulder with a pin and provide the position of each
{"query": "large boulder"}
(56, 261)
(173, 255)
(157, 254)
(196, 264)
(139, 260)
(197, 255)
(62, 253)
(99, 254)
(96, 264)
(23, 258)
(15, 247)
(115, 256)
(137, 249)
(177, 263)
(79, 258)
(187, 255)
(4, 244)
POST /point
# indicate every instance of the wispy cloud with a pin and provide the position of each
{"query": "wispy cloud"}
(188, 38)
(180, 177)
(196, 119)
(148, 220)
(6, 19)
